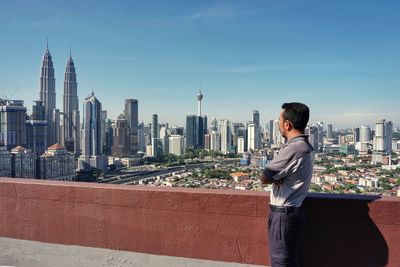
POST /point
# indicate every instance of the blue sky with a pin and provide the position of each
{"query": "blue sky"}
(340, 57)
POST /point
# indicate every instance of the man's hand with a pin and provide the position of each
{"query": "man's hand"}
(266, 180)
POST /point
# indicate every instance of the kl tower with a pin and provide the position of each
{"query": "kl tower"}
(199, 98)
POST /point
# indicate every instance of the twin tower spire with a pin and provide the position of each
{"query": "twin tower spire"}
(62, 127)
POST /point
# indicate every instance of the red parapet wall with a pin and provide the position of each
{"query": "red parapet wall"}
(220, 225)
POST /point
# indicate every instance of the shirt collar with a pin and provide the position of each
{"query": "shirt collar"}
(300, 136)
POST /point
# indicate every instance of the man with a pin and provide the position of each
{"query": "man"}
(290, 174)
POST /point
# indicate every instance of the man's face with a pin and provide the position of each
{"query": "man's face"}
(282, 127)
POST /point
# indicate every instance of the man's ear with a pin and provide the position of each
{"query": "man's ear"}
(288, 125)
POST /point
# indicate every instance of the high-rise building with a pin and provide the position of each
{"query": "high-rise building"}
(207, 142)
(76, 132)
(365, 133)
(147, 134)
(23, 163)
(154, 127)
(38, 111)
(256, 121)
(57, 164)
(256, 118)
(191, 131)
(278, 139)
(389, 137)
(71, 108)
(201, 125)
(313, 137)
(103, 119)
(164, 138)
(329, 132)
(215, 141)
(47, 94)
(226, 136)
(195, 130)
(176, 144)
(178, 130)
(141, 138)
(235, 128)
(242, 132)
(36, 129)
(132, 115)
(92, 147)
(157, 147)
(382, 145)
(12, 123)
(57, 126)
(270, 128)
(214, 124)
(356, 134)
(109, 137)
(253, 136)
(320, 127)
(36, 132)
(121, 138)
(240, 147)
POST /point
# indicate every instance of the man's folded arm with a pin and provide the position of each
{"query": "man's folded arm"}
(265, 178)
(274, 170)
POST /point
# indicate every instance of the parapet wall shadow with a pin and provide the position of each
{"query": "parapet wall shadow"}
(341, 233)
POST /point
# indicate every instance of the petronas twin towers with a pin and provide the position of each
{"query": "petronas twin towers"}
(62, 127)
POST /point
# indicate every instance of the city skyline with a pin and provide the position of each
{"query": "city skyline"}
(345, 67)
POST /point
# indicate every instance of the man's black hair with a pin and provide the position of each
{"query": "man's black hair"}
(297, 113)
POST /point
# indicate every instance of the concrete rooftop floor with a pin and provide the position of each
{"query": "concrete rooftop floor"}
(23, 253)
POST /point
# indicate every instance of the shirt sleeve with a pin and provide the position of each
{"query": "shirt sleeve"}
(280, 166)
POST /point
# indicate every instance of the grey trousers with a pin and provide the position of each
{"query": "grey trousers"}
(285, 236)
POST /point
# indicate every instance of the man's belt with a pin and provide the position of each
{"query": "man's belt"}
(283, 209)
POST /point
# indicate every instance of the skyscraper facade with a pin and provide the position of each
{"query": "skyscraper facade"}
(191, 131)
(103, 119)
(382, 144)
(70, 109)
(365, 133)
(131, 114)
(36, 129)
(92, 147)
(278, 139)
(313, 137)
(201, 127)
(196, 128)
(215, 141)
(214, 124)
(270, 127)
(154, 127)
(253, 135)
(256, 118)
(47, 94)
(226, 136)
(121, 142)
(329, 131)
(356, 134)
(176, 144)
(163, 135)
(320, 127)
(240, 147)
(12, 123)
